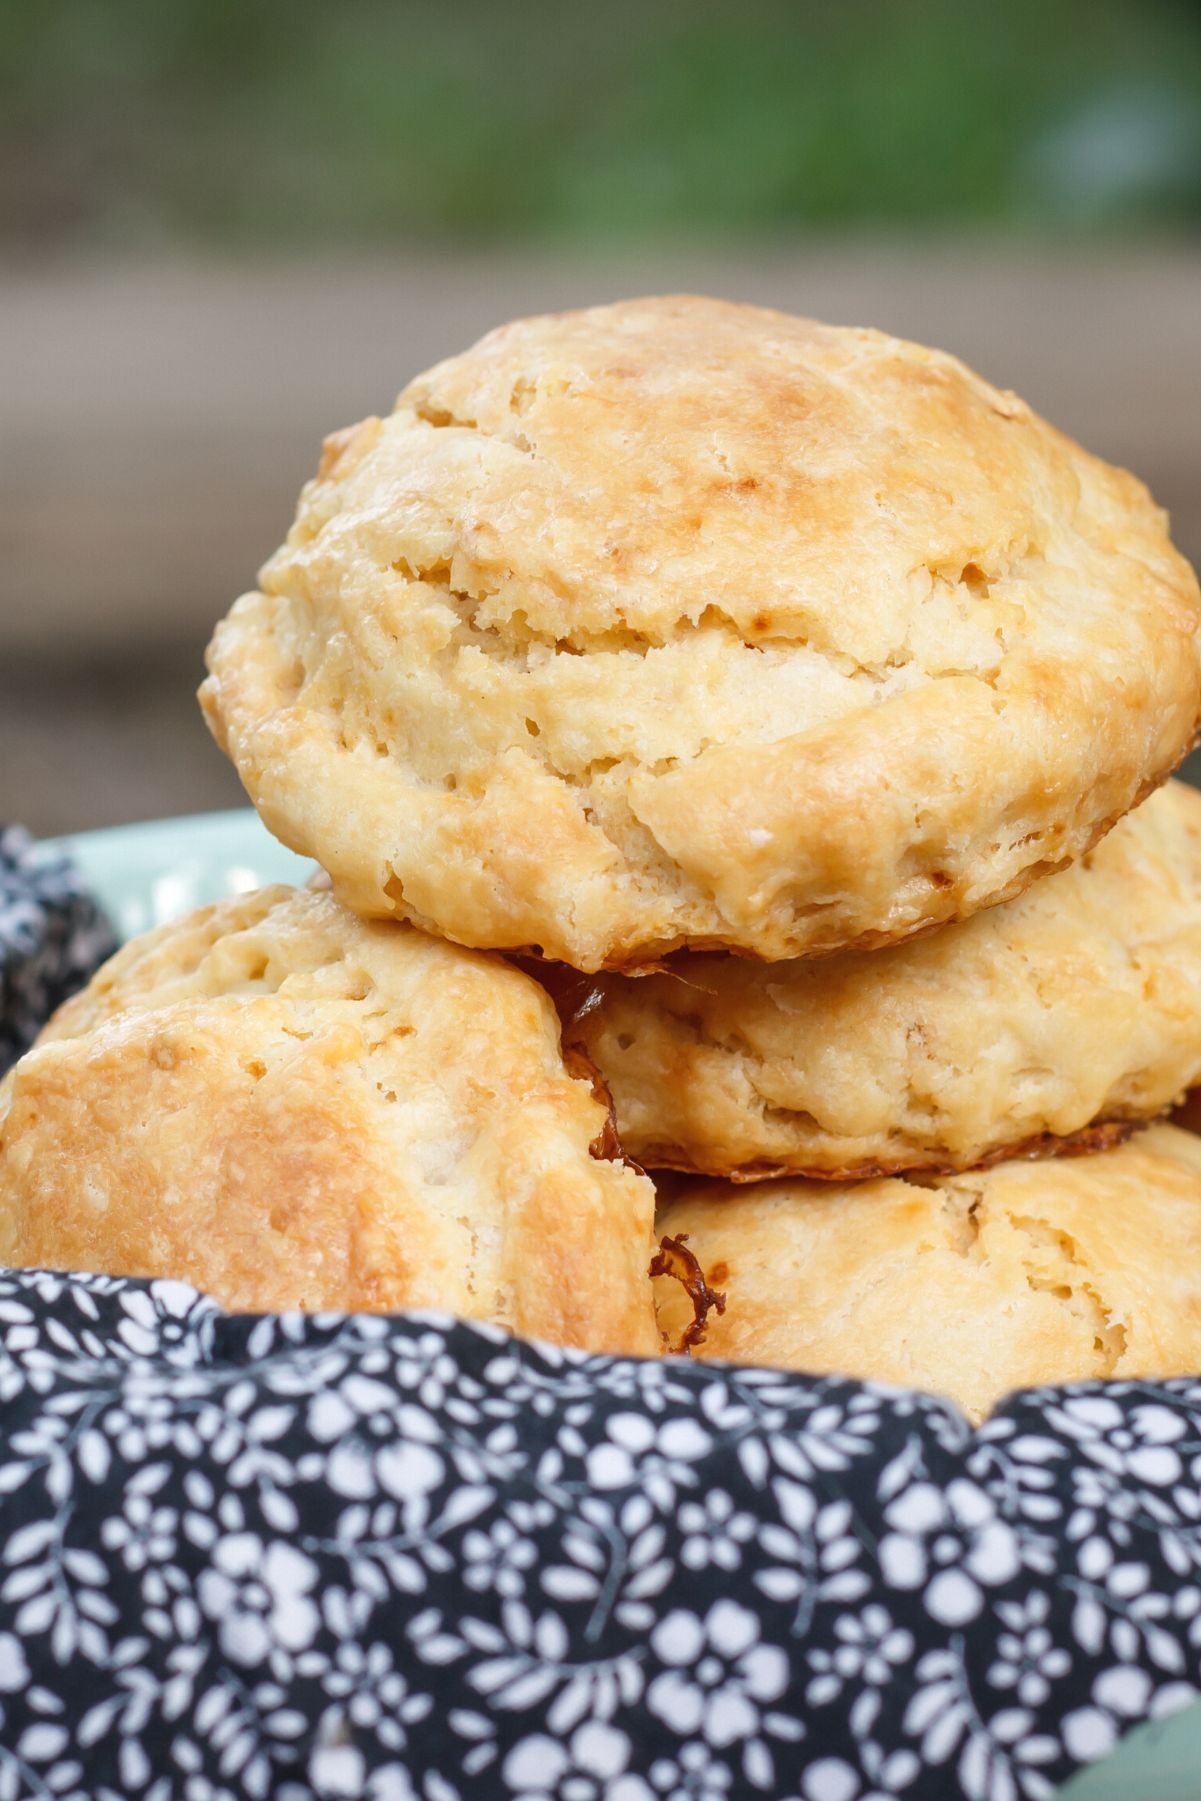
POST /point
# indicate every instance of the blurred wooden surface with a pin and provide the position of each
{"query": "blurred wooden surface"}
(157, 421)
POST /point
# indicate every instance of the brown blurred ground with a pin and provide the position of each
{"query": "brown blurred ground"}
(156, 423)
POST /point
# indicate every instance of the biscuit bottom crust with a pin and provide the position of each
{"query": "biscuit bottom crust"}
(1074, 1006)
(971, 1285)
(290, 1108)
(677, 623)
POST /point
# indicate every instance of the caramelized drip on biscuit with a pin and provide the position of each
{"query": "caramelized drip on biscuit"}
(673, 1258)
(606, 1146)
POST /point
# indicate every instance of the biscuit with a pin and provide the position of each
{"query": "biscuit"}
(970, 1286)
(680, 623)
(1078, 1002)
(291, 1108)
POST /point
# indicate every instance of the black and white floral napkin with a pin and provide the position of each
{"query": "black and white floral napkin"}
(52, 937)
(299, 1557)
(293, 1557)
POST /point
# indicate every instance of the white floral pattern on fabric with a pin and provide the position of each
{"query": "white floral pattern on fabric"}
(415, 1560)
(949, 1543)
(53, 937)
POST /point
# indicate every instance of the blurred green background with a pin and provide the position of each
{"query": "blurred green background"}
(243, 123)
(227, 226)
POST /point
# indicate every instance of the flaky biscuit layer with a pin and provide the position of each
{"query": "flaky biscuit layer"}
(1077, 1002)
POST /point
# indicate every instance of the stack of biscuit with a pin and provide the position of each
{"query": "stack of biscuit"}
(743, 731)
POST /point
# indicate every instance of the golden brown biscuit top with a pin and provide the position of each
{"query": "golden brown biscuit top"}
(624, 473)
(683, 623)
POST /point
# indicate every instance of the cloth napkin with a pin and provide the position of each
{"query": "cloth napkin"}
(52, 936)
